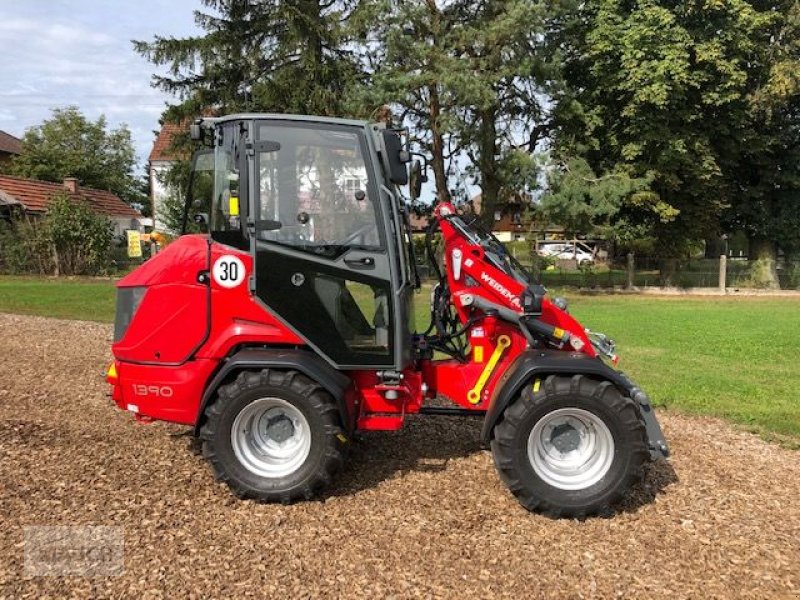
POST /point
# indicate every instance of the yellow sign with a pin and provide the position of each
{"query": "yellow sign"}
(233, 205)
(134, 243)
(477, 354)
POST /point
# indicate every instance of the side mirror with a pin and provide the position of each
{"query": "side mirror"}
(195, 132)
(416, 179)
(396, 157)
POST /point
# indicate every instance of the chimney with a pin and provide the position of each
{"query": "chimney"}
(71, 184)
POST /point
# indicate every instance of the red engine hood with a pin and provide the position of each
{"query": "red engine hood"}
(180, 261)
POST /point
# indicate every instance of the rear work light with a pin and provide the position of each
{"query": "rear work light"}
(128, 301)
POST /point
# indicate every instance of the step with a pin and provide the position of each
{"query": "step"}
(380, 422)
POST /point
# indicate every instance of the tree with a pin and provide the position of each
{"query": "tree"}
(615, 206)
(765, 167)
(410, 71)
(499, 78)
(767, 203)
(286, 57)
(466, 77)
(176, 183)
(70, 145)
(672, 90)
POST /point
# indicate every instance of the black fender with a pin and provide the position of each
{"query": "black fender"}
(541, 363)
(309, 364)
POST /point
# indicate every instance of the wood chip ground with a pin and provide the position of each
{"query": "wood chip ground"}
(416, 513)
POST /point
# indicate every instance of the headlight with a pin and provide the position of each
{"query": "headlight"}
(128, 300)
(561, 303)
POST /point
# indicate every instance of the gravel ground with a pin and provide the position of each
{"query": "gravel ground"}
(417, 513)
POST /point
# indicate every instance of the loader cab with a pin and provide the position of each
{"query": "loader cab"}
(316, 203)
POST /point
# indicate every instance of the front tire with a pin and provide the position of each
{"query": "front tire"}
(273, 436)
(570, 446)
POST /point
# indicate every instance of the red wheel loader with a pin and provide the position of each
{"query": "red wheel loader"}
(288, 327)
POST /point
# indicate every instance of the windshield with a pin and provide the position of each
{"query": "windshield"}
(315, 190)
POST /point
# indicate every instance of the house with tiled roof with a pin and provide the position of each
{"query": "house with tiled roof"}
(511, 220)
(9, 147)
(162, 157)
(33, 197)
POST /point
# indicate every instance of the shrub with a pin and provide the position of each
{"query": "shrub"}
(70, 240)
(80, 237)
(25, 246)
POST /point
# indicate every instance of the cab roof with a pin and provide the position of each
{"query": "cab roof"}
(284, 117)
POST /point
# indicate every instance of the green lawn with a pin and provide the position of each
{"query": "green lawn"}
(737, 358)
(85, 299)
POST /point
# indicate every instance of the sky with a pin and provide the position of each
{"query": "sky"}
(78, 52)
(56, 53)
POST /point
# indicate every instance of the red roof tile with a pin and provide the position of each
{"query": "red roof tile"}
(36, 196)
(162, 147)
(9, 144)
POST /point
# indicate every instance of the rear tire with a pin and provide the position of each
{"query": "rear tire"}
(572, 448)
(273, 436)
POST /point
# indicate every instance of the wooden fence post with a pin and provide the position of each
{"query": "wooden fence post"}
(631, 267)
(723, 270)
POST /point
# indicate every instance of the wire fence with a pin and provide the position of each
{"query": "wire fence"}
(650, 272)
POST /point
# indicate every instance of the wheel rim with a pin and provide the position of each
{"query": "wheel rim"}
(571, 448)
(271, 437)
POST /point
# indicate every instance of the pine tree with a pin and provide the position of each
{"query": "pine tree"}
(467, 77)
(289, 56)
(499, 78)
(410, 68)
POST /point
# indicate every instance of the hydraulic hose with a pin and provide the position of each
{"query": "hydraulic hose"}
(528, 324)
(545, 329)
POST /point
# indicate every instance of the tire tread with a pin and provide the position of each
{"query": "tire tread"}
(321, 402)
(507, 430)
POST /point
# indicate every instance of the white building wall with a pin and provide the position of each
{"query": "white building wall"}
(159, 192)
(123, 224)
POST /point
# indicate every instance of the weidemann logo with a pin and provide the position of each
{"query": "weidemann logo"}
(500, 289)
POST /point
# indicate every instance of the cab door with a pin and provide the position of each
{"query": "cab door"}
(323, 264)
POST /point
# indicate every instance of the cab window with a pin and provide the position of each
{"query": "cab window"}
(226, 206)
(315, 190)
